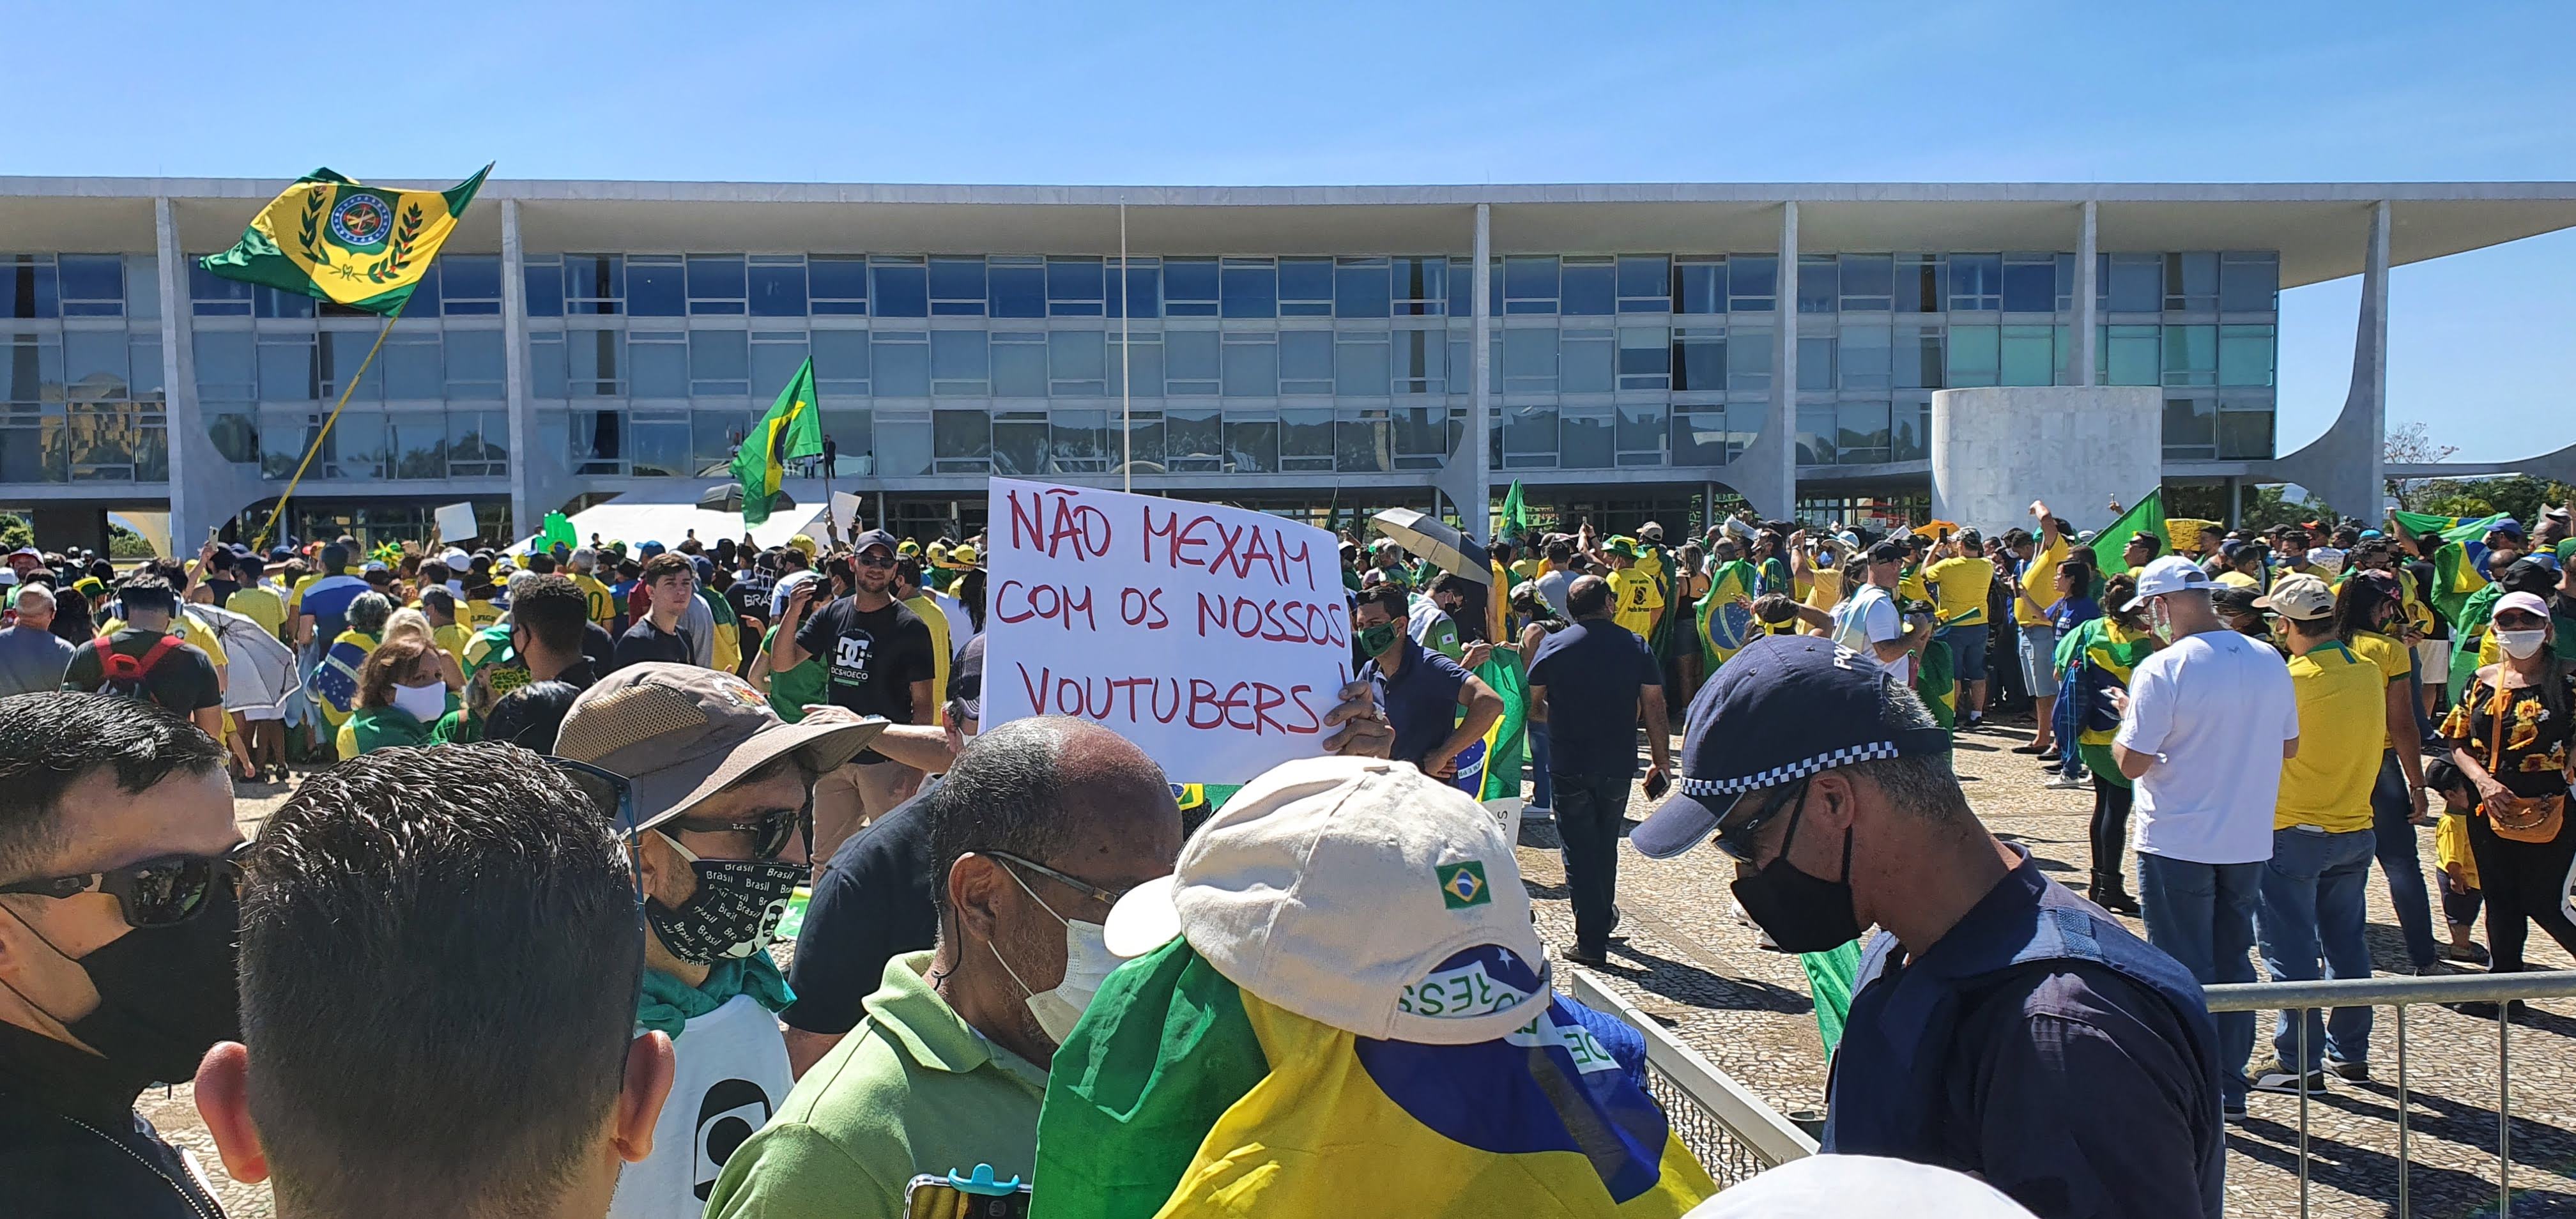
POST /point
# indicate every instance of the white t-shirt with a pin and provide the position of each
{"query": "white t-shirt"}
(731, 1075)
(1552, 585)
(961, 625)
(2214, 708)
(787, 584)
(1869, 617)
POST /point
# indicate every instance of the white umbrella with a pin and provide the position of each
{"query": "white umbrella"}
(1430, 538)
(262, 672)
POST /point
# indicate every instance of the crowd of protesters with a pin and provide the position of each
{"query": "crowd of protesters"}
(578, 788)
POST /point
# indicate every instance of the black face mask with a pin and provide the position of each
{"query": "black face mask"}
(733, 914)
(1801, 912)
(166, 995)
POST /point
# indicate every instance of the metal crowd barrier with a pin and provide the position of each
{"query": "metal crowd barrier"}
(2401, 992)
(1734, 1134)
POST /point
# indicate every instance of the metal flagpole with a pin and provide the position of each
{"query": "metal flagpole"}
(1126, 392)
(261, 540)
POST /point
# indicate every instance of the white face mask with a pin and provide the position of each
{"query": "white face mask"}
(2158, 621)
(423, 703)
(2521, 644)
(1087, 963)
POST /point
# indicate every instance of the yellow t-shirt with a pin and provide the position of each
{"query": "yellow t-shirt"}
(452, 639)
(2451, 847)
(261, 605)
(480, 614)
(2233, 578)
(2304, 569)
(603, 607)
(1909, 587)
(1525, 570)
(937, 620)
(2394, 661)
(2040, 578)
(1961, 585)
(2341, 696)
(1637, 597)
(1824, 592)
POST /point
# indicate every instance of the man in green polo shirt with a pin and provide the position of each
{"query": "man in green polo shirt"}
(1038, 828)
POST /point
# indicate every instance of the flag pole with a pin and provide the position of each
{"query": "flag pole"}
(1126, 392)
(260, 541)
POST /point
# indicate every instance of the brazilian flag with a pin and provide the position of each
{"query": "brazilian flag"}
(2147, 516)
(333, 239)
(793, 428)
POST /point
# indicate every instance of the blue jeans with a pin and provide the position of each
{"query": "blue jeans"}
(2202, 915)
(2312, 906)
(1542, 784)
(1589, 814)
(1967, 650)
(2399, 858)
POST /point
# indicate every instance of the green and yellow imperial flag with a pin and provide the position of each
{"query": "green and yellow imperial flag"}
(336, 240)
(793, 428)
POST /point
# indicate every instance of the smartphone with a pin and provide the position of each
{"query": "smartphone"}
(950, 1197)
(1657, 783)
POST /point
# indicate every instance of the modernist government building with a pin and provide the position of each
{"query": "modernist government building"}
(1630, 349)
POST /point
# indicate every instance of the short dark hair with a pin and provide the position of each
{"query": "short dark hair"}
(49, 741)
(668, 563)
(1390, 597)
(542, 563)
(1006, 792)
(553, 610)
(454, 927)
(907, 571)
(438, 600)
(1560, 552)
(1587, 597)
(1971, 539)
(791, 558)
(151, 593)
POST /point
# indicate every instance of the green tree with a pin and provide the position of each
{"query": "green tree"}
(124, 543)
(2269, 504)
(15, 532)
(2519, 495)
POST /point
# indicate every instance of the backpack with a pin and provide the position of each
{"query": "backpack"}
(125, 675)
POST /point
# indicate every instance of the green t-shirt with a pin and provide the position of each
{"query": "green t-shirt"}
(791, 691)
(911, 1090)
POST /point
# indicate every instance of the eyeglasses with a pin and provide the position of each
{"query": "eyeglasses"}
(1106, 897)
(866, 561)
(1737, 840)
(159, 892)
(769, 832)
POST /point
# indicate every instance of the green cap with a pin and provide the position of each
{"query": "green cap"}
(1621, 545)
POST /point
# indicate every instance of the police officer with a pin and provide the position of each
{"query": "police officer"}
(2000, 1025)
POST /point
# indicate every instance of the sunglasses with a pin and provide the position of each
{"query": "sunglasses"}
(1737, 840)
(769, 832)
(867, 561)
(160, 892)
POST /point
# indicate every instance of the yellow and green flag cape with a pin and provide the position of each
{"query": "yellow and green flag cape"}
(793, 428)
(1180, 1096)
(1726, 613)
(333, 239)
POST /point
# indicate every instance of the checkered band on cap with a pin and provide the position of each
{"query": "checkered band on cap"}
(622, 719)
(1828, 760)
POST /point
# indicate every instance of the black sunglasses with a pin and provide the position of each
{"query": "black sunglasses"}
(160, 892)
(769, 832)
(1737, 840)
(865, 561)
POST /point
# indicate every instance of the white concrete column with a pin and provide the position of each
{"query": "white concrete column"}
(2368, 397)
(185, 423)
(1784, 363)
(2081, 352)
(514, 333)
(1478, 517)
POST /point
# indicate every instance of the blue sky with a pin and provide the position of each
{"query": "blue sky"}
(1320, 93)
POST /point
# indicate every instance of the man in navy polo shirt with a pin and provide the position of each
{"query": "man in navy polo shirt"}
(2002, 1026)
(1421, 690)
(1595, 678)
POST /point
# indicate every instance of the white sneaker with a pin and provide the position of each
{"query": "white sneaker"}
(2064, 780)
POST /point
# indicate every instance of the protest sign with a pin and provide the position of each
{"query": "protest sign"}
(1214, 638)
(455, 521)
(845, 515)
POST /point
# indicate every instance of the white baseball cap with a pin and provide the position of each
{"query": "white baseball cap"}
(1859, 1187)
(2170, 574)
(1359, 893)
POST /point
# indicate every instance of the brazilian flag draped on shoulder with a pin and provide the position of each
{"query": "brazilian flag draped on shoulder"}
(1726, 613)
(1182, 1096)
(793, 428)
(334, 239)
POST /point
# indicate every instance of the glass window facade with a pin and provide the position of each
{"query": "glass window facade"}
(648, 362)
